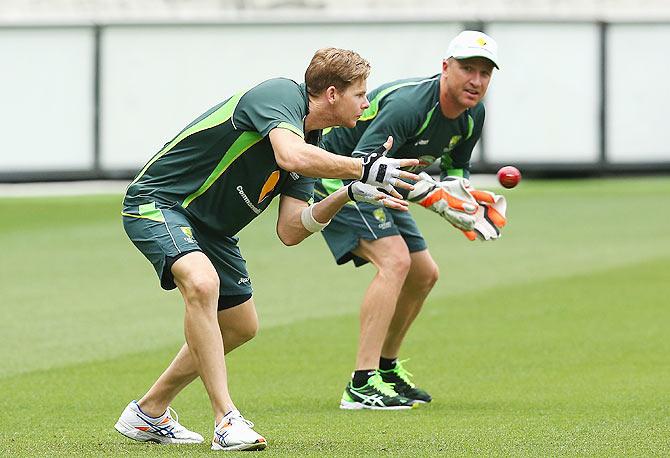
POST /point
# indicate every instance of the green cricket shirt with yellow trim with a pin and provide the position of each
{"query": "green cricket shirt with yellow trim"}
(409, 110)
(221, 170)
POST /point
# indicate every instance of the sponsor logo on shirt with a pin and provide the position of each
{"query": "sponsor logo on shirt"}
(452, 143)
(269, 185)
(240, 191)
(295, 176)
(243, 280)
(422, 142)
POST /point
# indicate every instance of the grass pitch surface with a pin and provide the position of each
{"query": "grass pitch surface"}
(550, 341)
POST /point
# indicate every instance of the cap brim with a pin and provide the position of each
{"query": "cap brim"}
(478, 53)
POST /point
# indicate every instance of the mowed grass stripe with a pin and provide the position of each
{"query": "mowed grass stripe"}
(567, 366)
(76, 290)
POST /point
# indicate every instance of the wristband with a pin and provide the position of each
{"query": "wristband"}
(308, 221)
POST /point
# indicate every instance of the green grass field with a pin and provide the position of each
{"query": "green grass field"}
(552, 341)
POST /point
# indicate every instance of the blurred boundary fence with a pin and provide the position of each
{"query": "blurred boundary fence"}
(92, 101)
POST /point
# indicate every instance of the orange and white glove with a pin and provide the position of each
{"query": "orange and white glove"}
(490, 217)
(450, 199)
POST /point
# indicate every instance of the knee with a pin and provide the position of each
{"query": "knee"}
(425, 279)
(432, 276)
(243, 331)
(248, 331)
(202, 289)
(395, 265)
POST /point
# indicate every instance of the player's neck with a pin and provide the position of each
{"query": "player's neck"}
(450, 108)
(319, 116)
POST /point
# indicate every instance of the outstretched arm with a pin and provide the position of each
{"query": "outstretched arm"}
(295, 213)
(290, 228)
(294, 155)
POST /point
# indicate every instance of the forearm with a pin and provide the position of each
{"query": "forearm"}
(291, 230)
(309, 160)
(326, 209)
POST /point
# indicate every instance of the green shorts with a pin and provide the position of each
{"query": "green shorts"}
(163, 235)
(368, 222)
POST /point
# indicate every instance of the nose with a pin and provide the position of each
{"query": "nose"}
(366, 103)
(476, 79)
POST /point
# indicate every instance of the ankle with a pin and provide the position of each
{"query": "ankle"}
(360, 377)
(219, 414)
(151, 409)
(386, 364)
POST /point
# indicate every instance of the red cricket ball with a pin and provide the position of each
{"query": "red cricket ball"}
(509, 176)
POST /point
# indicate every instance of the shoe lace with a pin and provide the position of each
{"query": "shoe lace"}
(403, 373)
(240, 419)
(173, 414)
(380, 385)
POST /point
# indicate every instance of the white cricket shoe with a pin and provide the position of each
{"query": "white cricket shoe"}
(235, 433)
(137, 425)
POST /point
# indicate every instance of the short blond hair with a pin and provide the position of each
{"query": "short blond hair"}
(334, 67)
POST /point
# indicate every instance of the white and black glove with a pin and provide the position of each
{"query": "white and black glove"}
(381, 171)
(490, 217)
(449, 198)
(361, 192)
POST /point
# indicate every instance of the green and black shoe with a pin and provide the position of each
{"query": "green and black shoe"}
(375, 394)
(399, 379)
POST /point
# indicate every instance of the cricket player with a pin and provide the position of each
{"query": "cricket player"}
(186, 205)
(437, 117)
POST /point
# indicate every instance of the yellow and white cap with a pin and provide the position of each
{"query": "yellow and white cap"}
(471, 43)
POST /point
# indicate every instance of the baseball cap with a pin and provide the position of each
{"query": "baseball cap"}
(471, 43)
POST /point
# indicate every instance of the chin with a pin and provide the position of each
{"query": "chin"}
(468, 102)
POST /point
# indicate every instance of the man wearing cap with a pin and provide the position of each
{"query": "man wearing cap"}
(438, 117)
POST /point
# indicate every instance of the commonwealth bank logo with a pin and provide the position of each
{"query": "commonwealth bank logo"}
(269, 185)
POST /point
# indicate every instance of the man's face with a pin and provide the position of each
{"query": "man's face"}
(350, 103)
(467, 80)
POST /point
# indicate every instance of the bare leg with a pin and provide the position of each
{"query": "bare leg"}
(421, 278)
(238, 325)
(391, 257)
(198, 283)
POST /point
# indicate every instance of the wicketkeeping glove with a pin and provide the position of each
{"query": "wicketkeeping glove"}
(490, 217)
(379, 170)
(361, 192)
(449, 198)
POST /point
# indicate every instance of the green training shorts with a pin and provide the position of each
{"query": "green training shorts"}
(163, 235)
(368, 222)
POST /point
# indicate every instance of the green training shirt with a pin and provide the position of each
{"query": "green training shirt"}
(221, 170)
(409, 110)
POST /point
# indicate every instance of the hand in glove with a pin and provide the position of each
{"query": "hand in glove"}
(490, 217)
(361, 192)
(384, 172)
(449, 198)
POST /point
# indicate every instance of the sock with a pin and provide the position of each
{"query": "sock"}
(360, 378)
(160, 417)
(386, 364)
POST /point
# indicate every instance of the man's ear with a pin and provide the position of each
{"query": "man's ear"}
(331, 94)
